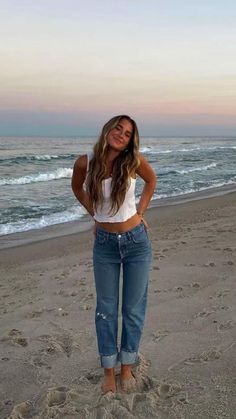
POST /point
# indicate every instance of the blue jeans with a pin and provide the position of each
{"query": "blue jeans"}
(132, 251)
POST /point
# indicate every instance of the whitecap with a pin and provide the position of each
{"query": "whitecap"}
(73, 214)
(38, 177)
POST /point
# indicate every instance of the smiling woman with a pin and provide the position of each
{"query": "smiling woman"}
(119, 136)
(104, 183)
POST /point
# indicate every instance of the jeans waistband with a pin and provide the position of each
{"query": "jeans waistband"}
(107, 234)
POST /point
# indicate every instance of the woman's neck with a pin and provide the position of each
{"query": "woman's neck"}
(112, 155)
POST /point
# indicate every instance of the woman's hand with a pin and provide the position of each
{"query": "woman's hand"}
(146, 226)
(143, 221)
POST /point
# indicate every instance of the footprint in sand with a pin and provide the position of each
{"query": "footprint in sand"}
(61, 292)
(82, 282)
(202, 314)
(177, 289)
(34, 314)
(211, 354)
(51, 407)
(160, 334)
(84, 399)
(65, 273)
(56, 396)
(84, 303)
(157, 290)
(23, 410)
(195, 285)
(59, 343)
(210, 264)
(39, 360)
(94, 377)
(15, 337)
(168, 390)
(157, 255)
(229, 262)
(73, 293)
(86, 307)
(149, 396)
(219, 308)
(222, 293)
(229, 324)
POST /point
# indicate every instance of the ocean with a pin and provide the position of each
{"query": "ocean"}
(35, 174)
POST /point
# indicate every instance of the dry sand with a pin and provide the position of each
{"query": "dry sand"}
(49, 366)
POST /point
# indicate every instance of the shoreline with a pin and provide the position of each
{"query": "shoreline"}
(85, 224)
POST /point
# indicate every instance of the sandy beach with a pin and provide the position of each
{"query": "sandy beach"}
(49, 366)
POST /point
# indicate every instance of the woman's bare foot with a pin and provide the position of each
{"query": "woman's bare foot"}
(127, 380)
(109, 382)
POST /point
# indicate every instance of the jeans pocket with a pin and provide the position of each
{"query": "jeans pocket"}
(100, 238)
(139, 236)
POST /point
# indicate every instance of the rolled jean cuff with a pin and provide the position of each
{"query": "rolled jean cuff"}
(109, 361)
(128, 358)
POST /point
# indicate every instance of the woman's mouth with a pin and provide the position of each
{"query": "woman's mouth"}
(119, 141)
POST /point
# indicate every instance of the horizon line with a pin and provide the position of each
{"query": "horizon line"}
(97, 135)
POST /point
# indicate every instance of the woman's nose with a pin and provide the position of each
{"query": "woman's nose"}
(121, 134)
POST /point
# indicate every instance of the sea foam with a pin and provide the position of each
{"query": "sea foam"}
(39, 177)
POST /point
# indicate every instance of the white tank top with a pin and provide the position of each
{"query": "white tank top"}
(126, 210)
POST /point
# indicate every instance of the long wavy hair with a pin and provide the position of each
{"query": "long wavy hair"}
(124, 167)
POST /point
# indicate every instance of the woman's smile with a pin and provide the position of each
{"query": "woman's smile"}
(120, 135)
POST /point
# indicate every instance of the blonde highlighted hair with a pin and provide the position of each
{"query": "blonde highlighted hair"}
(124, 166)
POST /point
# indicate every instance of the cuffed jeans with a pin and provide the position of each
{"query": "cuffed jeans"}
(132, 251)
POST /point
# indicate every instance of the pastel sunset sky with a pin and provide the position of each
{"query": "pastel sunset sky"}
(67, 66)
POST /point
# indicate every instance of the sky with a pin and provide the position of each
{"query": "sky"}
(68, 66)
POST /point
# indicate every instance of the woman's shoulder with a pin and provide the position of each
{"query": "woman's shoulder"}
(144, 169)
(87, 157)
(81, 165)
(140, 156)
(83, 160)
(141, 159)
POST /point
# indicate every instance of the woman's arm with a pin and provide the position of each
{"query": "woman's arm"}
(78, 178)
(146, 172)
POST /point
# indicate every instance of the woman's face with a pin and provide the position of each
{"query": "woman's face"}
(119, 137)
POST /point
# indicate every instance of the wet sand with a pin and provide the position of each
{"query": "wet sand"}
(49, 366)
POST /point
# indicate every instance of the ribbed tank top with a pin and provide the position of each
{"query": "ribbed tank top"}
(127, 209)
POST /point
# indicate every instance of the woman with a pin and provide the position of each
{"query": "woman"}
(104, 183)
